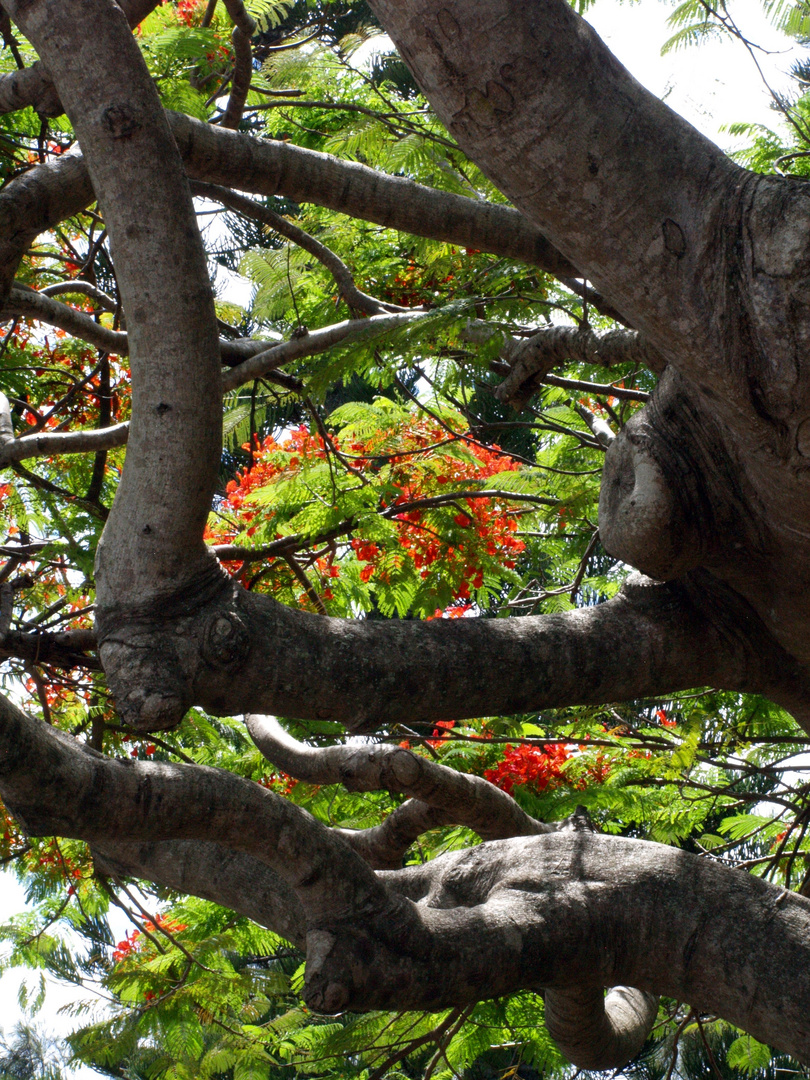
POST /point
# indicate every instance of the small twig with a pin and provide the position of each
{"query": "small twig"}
(305, 583)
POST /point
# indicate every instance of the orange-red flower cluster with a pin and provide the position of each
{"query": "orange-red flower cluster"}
(542, 768)
(530, 766)
(414, 465)
(135, 939)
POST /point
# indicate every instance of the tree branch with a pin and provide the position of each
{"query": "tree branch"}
(354, 297)
(469, 800)
(77, 792)
(47, 194)
(384, 846)
(33, 86)
(32, 304)
(212, 871)
(652, 639)
(532, 358)
(81, 288)
(624, 187)
(503, 916)
(600, 1032)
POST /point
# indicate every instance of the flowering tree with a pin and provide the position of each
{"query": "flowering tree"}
(385, 524)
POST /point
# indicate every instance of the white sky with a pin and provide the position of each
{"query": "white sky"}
(712, 85)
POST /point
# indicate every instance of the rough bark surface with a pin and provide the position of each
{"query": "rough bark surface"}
(705, 490)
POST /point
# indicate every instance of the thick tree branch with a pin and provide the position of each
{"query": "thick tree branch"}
(469, 800)
(65, 650)
(620, 911)
(33, 86)
(623, 186)
(77, 792)
(600, 1032)
(202, 868)
(506, 915)
(47, 194)
(29, 86)
(33, 203)
(652, 639)
(267, 167)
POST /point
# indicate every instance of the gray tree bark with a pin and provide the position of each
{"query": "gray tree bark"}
(705, 490)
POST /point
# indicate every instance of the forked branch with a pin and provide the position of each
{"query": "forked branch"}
(466, 800)
(496, 918)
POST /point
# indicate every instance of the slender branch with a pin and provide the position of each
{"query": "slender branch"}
(602, 389)
(45, 444)
(81, 288)
(27, 302)
(252, 359)
(354, 297)
(38, 305)
(317, 341)
(244, 29)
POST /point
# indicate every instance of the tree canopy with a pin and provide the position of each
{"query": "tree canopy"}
(420, 649)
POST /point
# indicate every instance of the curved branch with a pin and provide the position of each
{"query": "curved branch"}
(38, 305)
(599, 1032)
(33, 86)
(354, 297)
(75, 792)
(212, 871)
(81, 288)
(383, 846)
(531, 359)
(469, 800)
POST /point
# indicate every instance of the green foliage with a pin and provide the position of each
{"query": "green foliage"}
(402, 488)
